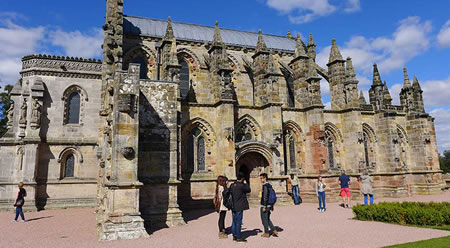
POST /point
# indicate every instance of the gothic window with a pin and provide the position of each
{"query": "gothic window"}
(366, 149)
(143, 67)
(290, 89)
(184, 79)
(73, 110)
(330, 143)
(195, 151)
(292, 152)
(69, 166)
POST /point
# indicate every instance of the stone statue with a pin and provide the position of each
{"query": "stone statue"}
(10, 114)
(36, 113)
(23, 112)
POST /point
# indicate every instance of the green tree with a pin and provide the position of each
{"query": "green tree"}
(5, 103)
(444, 161)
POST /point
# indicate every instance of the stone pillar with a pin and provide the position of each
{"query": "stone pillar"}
(316, 151)
(353, 148)
(118, 217)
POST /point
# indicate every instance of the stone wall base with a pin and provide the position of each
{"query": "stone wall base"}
(46, 204)
(127, 226)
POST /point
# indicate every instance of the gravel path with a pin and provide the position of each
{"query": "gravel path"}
(302, 226)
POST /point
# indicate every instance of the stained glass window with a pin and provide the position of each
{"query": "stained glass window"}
(201, 153)
(73, 111)
(69, 166)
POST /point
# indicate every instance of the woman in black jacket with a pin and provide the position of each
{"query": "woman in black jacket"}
(20, 200)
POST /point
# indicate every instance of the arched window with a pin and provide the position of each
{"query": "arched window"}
(292, 160)
(184, 79)
(290, 91)
(143, 67)
(73, 110)
(69, 166)
(195, 150)
(330, 148)
(366, 149)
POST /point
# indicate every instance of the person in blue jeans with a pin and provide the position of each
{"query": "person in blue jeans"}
(320, 191)
(20, 200)
(295, 189)
(239, 191)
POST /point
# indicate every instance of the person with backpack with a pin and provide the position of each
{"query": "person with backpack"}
(20, 200)
(221, 185)
(238, 193)
(268, 199)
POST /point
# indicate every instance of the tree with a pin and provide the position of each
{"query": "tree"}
(444, 161)
(5, 103)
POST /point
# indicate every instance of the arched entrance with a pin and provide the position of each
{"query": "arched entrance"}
(252, 164)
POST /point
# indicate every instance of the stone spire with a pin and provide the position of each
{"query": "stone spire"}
(299, 48)
(376, 76)
(387, 95)
(311, 47)
(217, 39)
(335, 54)
(362, 99)
(350, 71)
(261, 45)
(406, 83)
(416, 84)
(169, 30)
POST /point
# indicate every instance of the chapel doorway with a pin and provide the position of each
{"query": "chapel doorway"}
(252, 164)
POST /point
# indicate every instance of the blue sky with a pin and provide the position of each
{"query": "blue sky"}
(411, 33)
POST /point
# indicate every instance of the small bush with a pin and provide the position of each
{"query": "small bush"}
(410, 213)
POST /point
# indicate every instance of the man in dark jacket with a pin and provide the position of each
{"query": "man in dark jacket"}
(239, 191)
(266, 208)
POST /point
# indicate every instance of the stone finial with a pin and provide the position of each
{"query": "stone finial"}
(311, 40)
(169, 30)
(299, 48)
(416, 84)
(289, 35)
(362, 99)
(217, 39)
(261, 45)
(406, 82)
(335, 54)
(376, 76)
(387, 95)
(350, 71)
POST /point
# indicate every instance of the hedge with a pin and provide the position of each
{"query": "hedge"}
(409, 213)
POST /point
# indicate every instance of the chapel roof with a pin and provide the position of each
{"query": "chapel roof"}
(199, 33)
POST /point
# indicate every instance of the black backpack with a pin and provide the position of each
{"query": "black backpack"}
(228, 198)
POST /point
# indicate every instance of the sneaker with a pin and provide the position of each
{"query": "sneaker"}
(14, 220)
(320, 210)
(324, 209)
(275, 233)
(22, 221)
(241, 240)
(222, 235)
(265, 235)
(234, 238)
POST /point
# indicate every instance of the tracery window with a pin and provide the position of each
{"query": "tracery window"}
(195, 150)
(73, 109)
(184, 79)
(330, 143)
(143, 67)
(366, 148)
(290, 90)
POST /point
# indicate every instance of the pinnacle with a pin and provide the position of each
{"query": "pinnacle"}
(406, 82)
(289, 35)
(416, 82)
(335, 54)
(311, 40)
(350, 71)
(362, 99)
(376, 76)
(169, 30)
(299, 48)
(217, 39)
(260, 45)
(387, 95)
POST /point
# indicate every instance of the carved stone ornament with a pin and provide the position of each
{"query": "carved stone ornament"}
(23, 112)
(360, 137)
(10, 114)
(229, 133)
(36, 114)
(127, 152)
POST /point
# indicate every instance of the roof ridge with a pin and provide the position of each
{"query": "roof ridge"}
(202, 25)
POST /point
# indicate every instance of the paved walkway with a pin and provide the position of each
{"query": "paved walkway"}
(303, 226)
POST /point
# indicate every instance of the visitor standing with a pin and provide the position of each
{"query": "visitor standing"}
(239, 191)
(366, 182)
(295, 188)
(320, 191)
(345, 189)
(19, 202)
(221, 185)
(267, 207)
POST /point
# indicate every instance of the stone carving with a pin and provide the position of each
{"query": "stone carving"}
(127, 152)
(360, 136)
(229, 133)
(10, 114)
(36, 114)
(23, 112)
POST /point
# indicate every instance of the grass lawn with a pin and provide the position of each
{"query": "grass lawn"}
(443, 242)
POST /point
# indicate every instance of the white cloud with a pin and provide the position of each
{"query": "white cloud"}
(77, 44)
(410, 39)
(327, 105)
(302, 11)
(442, 127)
(444, 35)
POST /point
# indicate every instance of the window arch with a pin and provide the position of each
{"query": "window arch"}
(73, 108)
(184, 78)
(195, 151)
(70, 159)
(293, 146)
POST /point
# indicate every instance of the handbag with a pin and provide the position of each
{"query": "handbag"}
(18, 203)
